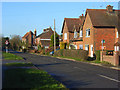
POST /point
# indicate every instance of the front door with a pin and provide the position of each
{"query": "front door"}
(91, 50)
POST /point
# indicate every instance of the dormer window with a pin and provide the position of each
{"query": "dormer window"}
(87, 32)
(81, 34)
(75, 34)
(117, 35)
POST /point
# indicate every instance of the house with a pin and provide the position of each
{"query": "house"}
(29, 38)
(44, 38)
(71, 25)
(99, 25)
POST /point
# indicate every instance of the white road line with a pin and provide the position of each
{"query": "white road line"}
(109, 78)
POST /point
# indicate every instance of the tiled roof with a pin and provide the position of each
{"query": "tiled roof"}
(47, 34)
(71, 22)
(27, 34)
(101, 18)
(76, 39)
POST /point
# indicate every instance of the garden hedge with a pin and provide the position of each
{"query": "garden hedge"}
(81, 54)
(97, 53)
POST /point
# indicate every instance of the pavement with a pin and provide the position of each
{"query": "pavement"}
(75, 74)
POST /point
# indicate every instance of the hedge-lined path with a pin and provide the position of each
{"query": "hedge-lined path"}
(75, 74)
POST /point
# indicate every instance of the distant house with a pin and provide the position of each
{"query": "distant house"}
(29, 38)
(44, 38)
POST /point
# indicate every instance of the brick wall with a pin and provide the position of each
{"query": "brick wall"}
(108, 34)
(108, 58)
(88, 40)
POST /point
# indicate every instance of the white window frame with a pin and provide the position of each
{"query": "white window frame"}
(81, 34)
(65, 36)
(87, 32)
(46, 46)
(75, 34)
(80, 46)
(117, 35)
(75, 46)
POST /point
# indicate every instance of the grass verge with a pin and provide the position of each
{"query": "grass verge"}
(93, 61)
(29, 78)
(9, 56)
(19, 64)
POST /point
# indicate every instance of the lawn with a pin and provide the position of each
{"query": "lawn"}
(9, 56)
(29, 78)
(19, 64)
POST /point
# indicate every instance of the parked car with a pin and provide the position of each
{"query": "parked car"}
(51, 53)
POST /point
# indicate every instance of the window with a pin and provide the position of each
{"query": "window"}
(75, 34)
(75, 46)
(116, 34)
(65, 36)
(87, 47)
(116, 48)
(46, 46)
(81, 35)
(88, 33)
(80, 46)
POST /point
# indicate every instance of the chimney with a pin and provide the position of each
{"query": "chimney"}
(44, 30)
(82, 17)
(35, 32)
(109, 8)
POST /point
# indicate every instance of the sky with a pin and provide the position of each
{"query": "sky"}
(21, 17)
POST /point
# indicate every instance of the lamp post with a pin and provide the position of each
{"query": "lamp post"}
(54, 38)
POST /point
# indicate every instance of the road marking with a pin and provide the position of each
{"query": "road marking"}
(109, 78)
(80, 68)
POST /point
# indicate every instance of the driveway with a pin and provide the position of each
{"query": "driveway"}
(75, 74)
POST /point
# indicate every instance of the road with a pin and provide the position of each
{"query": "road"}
(75, 74)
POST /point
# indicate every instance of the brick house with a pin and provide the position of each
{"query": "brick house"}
(71, 26)
(29, 38)
(44, 38)
(98, 25)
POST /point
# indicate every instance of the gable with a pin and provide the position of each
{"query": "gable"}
(70, 23)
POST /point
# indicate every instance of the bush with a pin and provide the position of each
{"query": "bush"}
(97, 53)
(62, 45)
(80, 54)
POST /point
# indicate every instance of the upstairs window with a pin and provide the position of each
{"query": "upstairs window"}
(81, 34)
(87, 32)
(117, 35)
(65, 36)
(75, 34)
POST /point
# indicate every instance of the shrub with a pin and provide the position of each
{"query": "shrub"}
(97, 53)
(62, 45)
(80, 54)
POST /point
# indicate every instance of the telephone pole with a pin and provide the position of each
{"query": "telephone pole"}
(54, 38)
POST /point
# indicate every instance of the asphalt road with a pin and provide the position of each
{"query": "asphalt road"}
(75, 74)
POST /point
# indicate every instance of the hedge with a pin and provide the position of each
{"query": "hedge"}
(62, 45)
(97, 53)
(81, 54)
